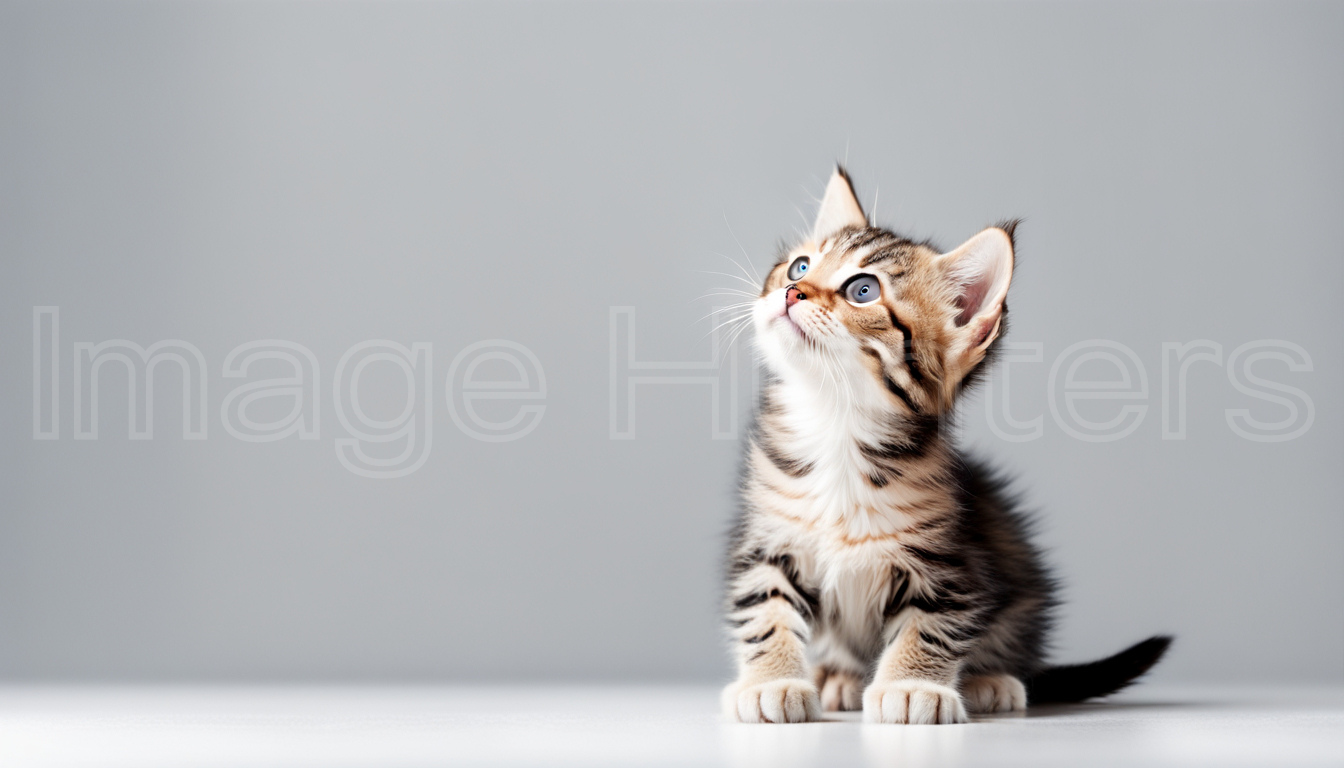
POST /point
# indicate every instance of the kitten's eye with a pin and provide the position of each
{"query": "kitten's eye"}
(863, 290)
(798, 269)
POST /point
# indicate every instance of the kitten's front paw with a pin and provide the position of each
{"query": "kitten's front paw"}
(840, 691)
(994, 693)
(916, 702)
(778, 701)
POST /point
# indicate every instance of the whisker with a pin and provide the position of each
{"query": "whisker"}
(725, 274)
(736, 304)
(825, 361)
(729, 321)
(807, 225)
(748, 277)
(739, 245)
(740, 310)
(737, 325)
(849, 386)
(725, 292)
(830, 367)
(741, 300)
(741, 329)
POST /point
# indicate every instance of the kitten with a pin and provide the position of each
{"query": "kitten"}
(874, 566)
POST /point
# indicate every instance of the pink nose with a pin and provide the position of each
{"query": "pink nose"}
(792, 296)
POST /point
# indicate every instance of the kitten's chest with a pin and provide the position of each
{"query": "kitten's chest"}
(855, 579)
(855, 582)
(846, 489)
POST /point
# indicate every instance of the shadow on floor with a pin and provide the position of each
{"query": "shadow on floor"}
(1103, 707)
(1058, 710)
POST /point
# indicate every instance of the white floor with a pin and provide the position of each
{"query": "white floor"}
(347, 726)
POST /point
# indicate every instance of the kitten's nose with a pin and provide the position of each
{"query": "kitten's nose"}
(792, 296)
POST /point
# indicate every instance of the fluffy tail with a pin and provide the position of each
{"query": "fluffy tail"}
(1078, 682)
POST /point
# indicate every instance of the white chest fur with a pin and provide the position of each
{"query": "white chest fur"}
(850, 532)
(825, 428)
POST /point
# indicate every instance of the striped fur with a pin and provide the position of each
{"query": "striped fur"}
(873, 565)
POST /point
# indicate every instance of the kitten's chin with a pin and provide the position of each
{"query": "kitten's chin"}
(789, 327)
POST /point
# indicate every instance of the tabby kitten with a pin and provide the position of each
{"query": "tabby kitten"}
(873, 565)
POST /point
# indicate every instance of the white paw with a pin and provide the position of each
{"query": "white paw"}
(994, 693)
(916, 702)
(841, 692)
(789, 700)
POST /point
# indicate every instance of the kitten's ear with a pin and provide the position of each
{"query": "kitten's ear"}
(839, 208)
(980, 271)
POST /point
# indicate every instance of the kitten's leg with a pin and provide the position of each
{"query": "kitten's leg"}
(841, 689)
(994, 693)
(769, 614)
(839, 675)
(916, 680)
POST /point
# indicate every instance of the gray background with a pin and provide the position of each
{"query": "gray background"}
(331, 173)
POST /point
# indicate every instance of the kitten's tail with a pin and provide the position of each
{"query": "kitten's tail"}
(1078, 682)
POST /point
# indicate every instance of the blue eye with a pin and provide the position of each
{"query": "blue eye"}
(799, 268)
(863, 289)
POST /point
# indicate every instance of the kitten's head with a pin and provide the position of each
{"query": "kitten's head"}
(860, 307)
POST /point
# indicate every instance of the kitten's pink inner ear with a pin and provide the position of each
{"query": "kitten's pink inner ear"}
(972, 296)
(980, 270)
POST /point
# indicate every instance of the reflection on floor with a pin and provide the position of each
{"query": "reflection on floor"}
(550, 726)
